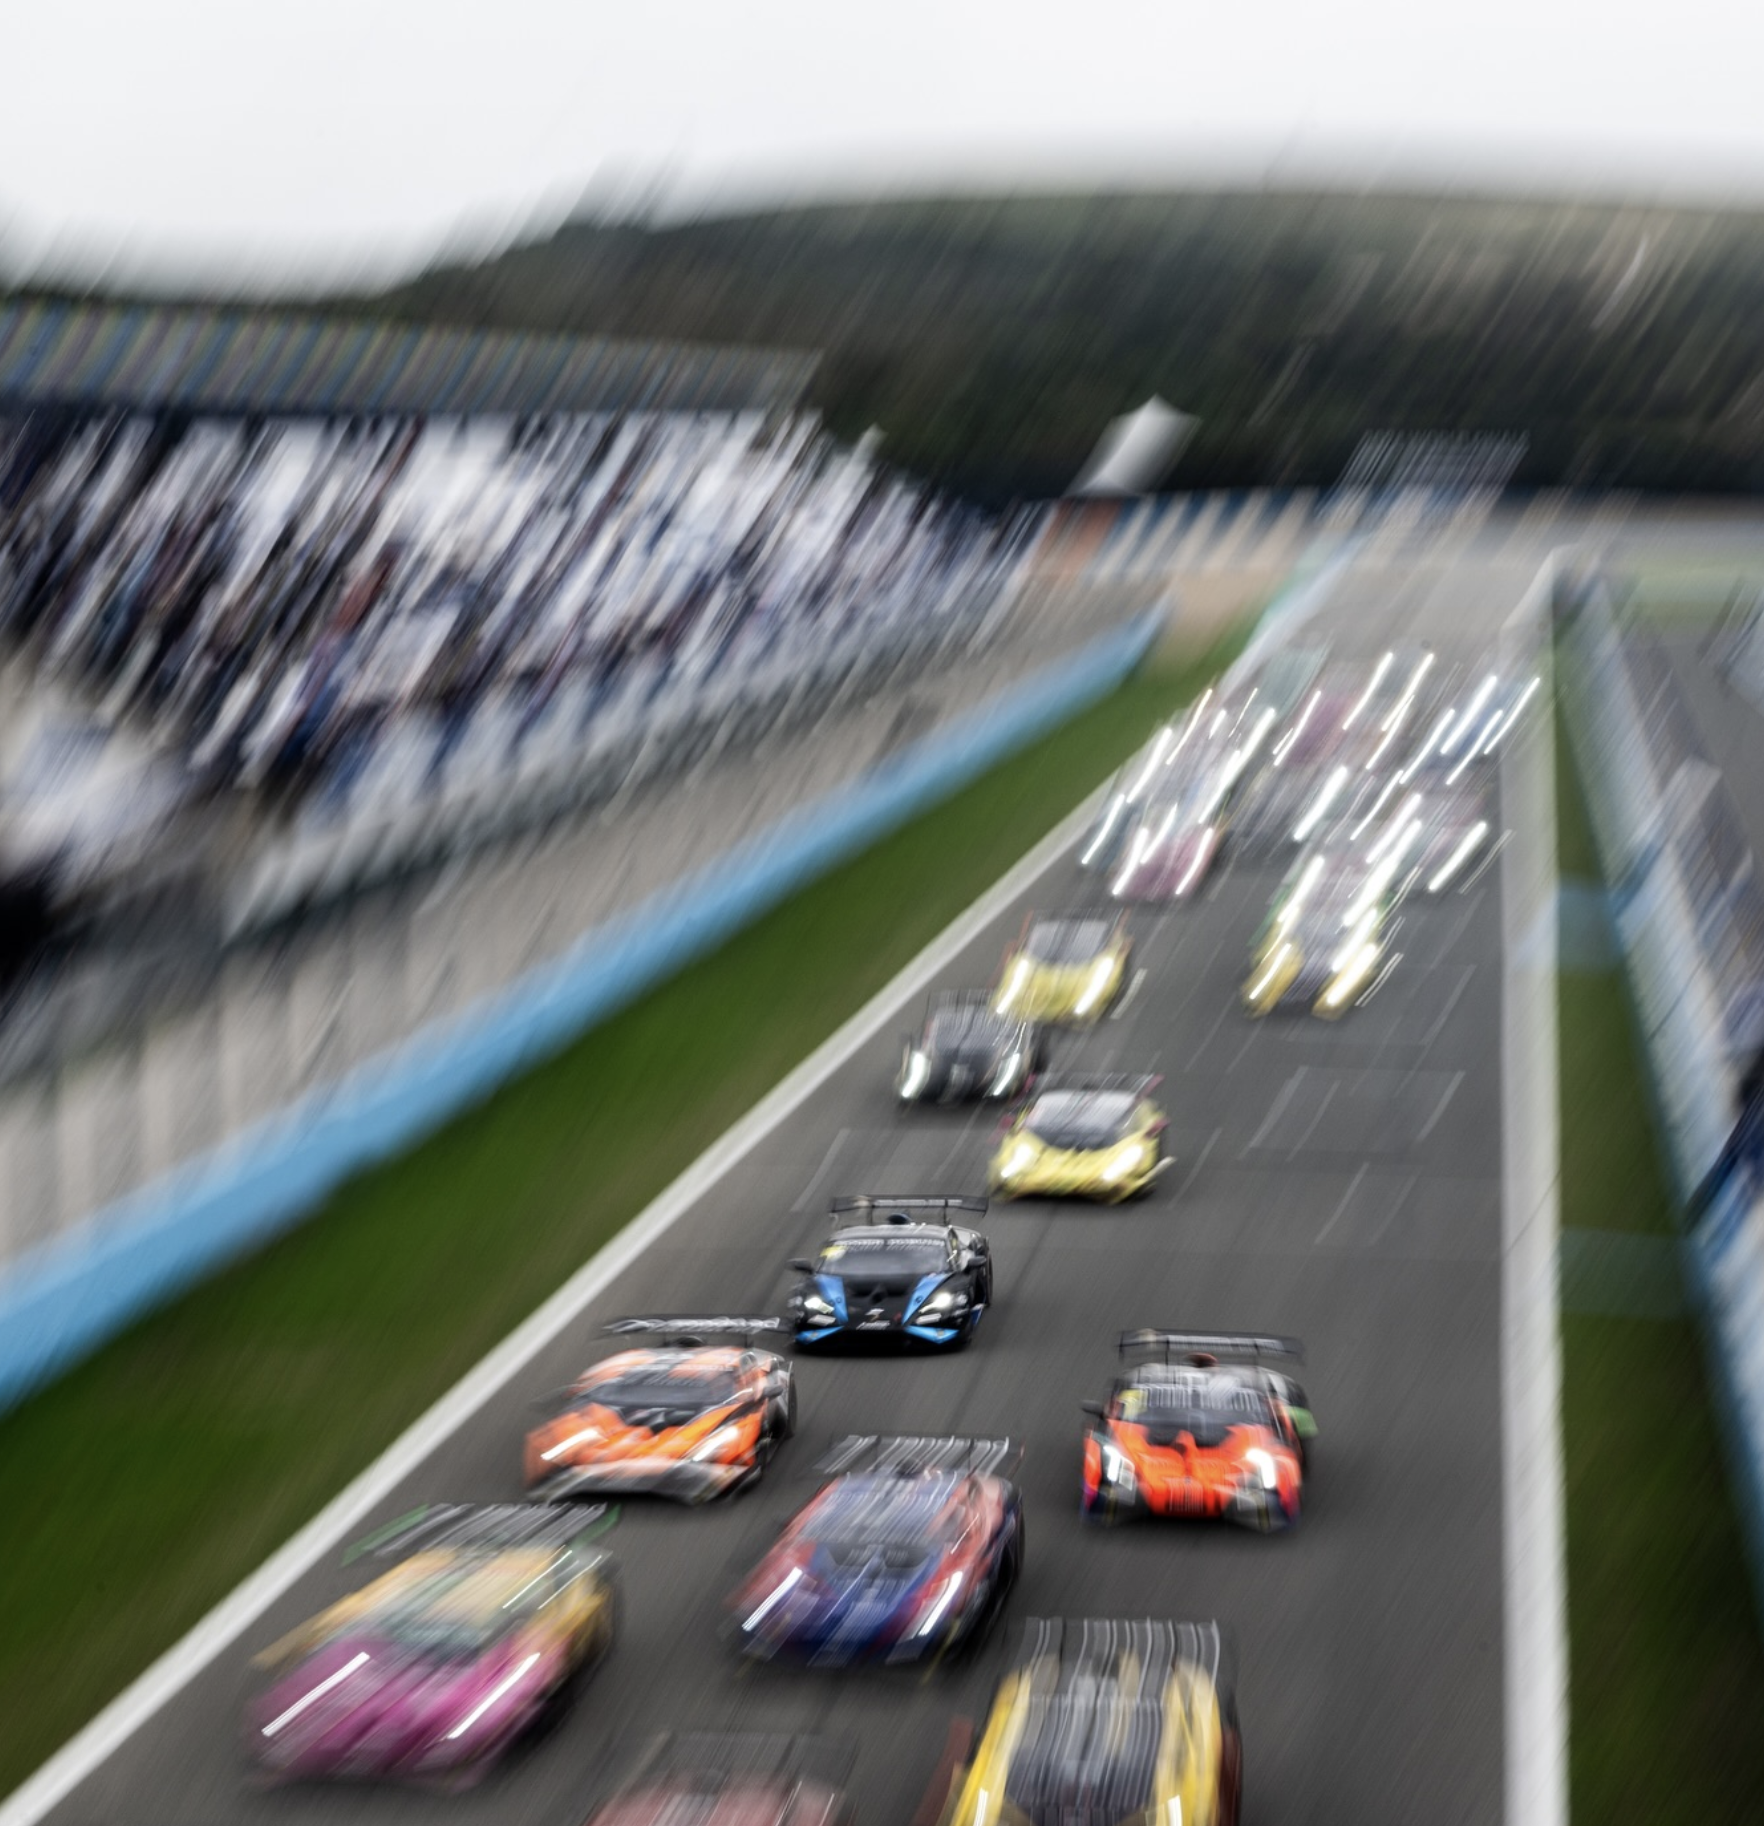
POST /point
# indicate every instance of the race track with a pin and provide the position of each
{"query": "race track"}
(1340, 1183)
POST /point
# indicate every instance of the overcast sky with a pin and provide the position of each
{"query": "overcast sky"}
(328, 134)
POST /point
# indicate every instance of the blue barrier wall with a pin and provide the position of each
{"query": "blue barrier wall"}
(62, 1300)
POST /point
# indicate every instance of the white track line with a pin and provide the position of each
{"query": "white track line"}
(1533, 1533)
(180, 1664)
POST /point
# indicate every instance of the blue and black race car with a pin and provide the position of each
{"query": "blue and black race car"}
(895, 1267)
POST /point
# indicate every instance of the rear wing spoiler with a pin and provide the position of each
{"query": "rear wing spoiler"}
(1141, 1084)
(1254, 1345)
(880, 1206)
(707, 1757)
(1113, 1651)
(490, 1525)
(914, 1457)
(692, 1328)
(960, 998)
(1115, 918)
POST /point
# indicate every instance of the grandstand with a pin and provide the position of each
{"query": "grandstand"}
(265, 667)
(398, 628)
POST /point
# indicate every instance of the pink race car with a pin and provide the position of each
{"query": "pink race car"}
(432, 1671)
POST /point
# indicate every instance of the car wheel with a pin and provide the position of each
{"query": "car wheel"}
(1105, 1512)
(1231, 1778)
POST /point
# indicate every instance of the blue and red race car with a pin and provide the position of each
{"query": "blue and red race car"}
(909, 1551)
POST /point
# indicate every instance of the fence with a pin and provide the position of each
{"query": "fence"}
(1673, 917)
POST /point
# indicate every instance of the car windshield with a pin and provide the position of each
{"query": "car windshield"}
(1082, 1119)
(465, 1605)
(1205, 1407)
(899, 1522)
(884, 1255)
(685, 1387)
(1067, 941)
(965, 1026)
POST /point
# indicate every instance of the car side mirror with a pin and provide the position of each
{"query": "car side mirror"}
(802, 1264)
(1098, 1408)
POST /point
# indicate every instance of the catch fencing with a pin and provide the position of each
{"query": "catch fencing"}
(1686, 915)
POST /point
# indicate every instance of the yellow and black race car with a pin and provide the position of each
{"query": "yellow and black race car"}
(1065, 967)
(1324, 941)
(1082, 1137)
(1111, 1723)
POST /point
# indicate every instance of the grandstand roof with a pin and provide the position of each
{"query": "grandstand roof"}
(209, 360)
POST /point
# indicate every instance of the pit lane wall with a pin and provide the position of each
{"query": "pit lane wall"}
(1689, 1000)
(61, 1301)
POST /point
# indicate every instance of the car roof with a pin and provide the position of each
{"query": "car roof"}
(687, 1363)
(899, 1508)
(891, 1233)
(1228, 1388)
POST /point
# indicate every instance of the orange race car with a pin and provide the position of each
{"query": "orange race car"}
(1205, 1429)
(684, 1417)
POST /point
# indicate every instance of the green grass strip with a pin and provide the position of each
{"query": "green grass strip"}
(155, 1476)
(1666, 1669)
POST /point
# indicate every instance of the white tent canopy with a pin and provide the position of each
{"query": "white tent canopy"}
(1135, 451)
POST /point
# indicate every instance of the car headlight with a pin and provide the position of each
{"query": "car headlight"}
(724, 1439)
(1018, 1160)
(494, 1697)
(1006, 1075)
(816, 1310)
(1263, 1462)
(1117, 1468)
(916, 1072)
(1353, 973)
(1100, 972)
(942, 1304)
(1127, 1160)
(588, 1435)
(1015, 983)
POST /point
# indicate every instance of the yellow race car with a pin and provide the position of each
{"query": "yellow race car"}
(1082, 1137)
(1109, 1722)
(1065, 968)
(1324, 940)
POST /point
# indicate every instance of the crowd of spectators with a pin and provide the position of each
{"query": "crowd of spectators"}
(313, 606)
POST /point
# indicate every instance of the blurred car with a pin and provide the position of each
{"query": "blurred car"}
(733, 1780)
(1214, 1433)
(1105, 1722)
(1455, 836)
(1462, 743)
(684, 1418)
(1352, 731)
(1164, 768)
(910, 1551)
(895, 1268)
(1065, 967)
(1171, 851)
(1098, 1137)
(1182, 827)
(967, 1049)
(1324, 939)
(438, 1666)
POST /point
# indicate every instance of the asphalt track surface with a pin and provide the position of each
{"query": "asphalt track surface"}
(1339, 1182)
